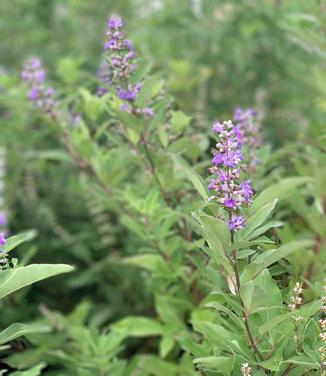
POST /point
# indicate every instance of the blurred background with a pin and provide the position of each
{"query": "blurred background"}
(213, 55)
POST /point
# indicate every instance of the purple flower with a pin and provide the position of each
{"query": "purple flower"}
(236, 222)
(229, 203)
(148, 112)
(115, 23)
(39, 94)
(127, 95)
(118, 68)
(3, 219)
(246, 189)
(249, 128)
(124, 107)
(229, 190)
(33, 94)
(2, 239)
(217, 127)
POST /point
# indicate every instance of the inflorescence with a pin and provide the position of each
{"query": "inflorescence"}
(39, 93)
(229, 190)
(121, 65)
(248, 124)
(322, 335)
(245, 369)
(3, 212)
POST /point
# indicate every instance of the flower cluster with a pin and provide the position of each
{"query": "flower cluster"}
(39, 93)
(3, 213)
(248, 124)
(296, 299)
(227, 157)
(245, 369)
(121, 65)
(104, 77)
(322, 336)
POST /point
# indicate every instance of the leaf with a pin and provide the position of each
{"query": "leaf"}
(257, 219)
(220, 307)
(14, 279)
(151, 262)
(279, 190)
(166, 345)
(137, 326)
(272, 323)
(17, 330)
(302, 360)
(149, 90)
(222, 364)
(93, 105)
(35, 371)
(179, 121)
(196, 180)
(261, 230)
(54, 155)
(217, 235)
(221, 337)
(271, 256)
(246, 293)
(16, 240)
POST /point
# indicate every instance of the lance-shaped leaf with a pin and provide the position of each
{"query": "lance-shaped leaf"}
(17, 330)
(222, 364)
(256, 220)
(279, 190)
(16, 240)
(14, 279)
(271, 256)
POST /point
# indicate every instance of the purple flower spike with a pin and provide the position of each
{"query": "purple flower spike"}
(148, 112)
(227, 157)
(236, 222)
(33, 94)
(2, 239)
(3, 219)
(248, 125)
(118, 68)
(115, 23)
(39, 94)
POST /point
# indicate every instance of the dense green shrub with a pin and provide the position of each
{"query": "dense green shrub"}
(113, 176)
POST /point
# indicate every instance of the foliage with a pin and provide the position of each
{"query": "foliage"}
(161, 285)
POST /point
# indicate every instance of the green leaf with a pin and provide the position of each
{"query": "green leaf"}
(221, 337)
(16, 240)
(163, 135)
(302, 360)
(279, 190)
(217, 235)
(149, 90)
(220, 307)
(179, 121)
(262, 229)
(166, 345)
(67, 69)
(151, 262)
(272, 323)
(14, 279)
(257, 219)
(196, 180)
(222, 364)
(134, 326)
(246, 293)
(271, 256)
(17, 330)
(93, 105)
(35, 371)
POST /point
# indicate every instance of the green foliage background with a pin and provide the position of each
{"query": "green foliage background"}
(212, 56)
